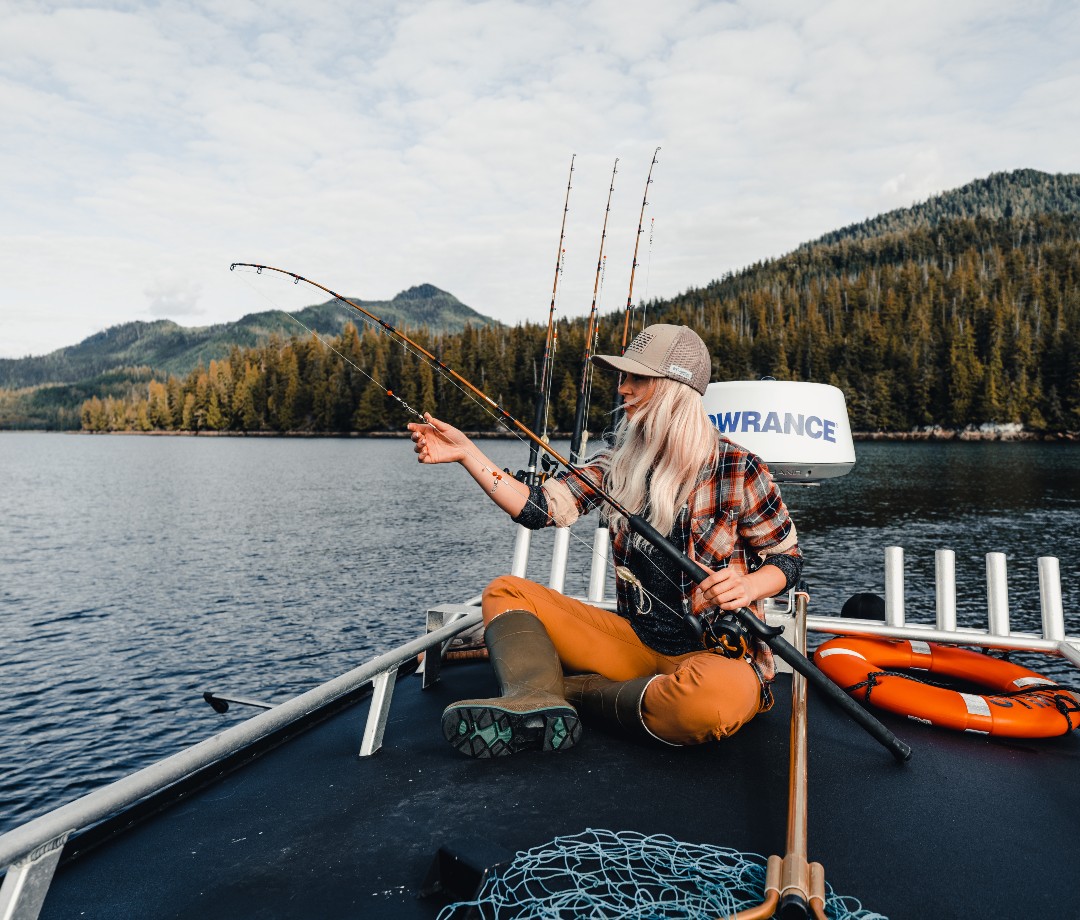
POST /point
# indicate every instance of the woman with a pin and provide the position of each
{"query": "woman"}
(639, 667)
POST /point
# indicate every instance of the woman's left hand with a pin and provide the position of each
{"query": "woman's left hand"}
(727, 589)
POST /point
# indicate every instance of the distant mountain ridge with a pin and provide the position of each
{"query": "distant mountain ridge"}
(1018, 194)
(169, 348)
(960, 310)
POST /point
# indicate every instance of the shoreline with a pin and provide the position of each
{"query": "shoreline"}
(1004, 433)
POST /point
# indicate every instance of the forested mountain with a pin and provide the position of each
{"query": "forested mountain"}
(946, 320)
(46, 391)
(169, 348)
(1022, 193)
(968, 322)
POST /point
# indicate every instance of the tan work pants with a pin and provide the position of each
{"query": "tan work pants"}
(698, 697)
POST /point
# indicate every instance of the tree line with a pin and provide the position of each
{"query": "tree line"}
(968, 322)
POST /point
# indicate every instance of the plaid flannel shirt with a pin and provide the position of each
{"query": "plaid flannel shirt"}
(737, 519)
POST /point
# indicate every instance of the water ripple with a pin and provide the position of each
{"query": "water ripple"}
(138, 572)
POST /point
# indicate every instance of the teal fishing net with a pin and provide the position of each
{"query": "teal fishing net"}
(601, 874)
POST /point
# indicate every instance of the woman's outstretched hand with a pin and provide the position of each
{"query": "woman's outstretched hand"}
(438, 442)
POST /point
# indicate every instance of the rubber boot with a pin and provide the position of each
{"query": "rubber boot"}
(613, 701)
(531, 713)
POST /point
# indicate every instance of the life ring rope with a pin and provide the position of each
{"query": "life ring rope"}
(1065, 704)
(1017, 702)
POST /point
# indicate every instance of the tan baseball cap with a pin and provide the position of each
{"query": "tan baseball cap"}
(663, 350)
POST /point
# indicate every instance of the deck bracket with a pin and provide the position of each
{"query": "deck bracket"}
(28, 880)
(382, 694)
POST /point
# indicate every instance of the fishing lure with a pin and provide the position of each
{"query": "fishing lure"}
(643, 598)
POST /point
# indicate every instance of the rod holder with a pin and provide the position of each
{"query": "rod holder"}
(522, 542)
(894, 585)
(945, 588)
(1053, 613)
(560, 549)
(598, 572)
(997, 595)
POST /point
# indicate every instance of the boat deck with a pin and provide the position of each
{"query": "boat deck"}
(970, 827)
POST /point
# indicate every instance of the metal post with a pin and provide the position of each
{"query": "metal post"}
(997, 595)
(945, 583)
(27, 881)
(522, 541)
(1053, 614)
(598, 571)
(382, 694)
(559, 552)
(894, 585)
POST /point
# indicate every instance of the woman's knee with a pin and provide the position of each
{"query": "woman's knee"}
(507, 592)
(703, 700)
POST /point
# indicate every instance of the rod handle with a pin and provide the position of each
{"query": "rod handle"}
(779, 645)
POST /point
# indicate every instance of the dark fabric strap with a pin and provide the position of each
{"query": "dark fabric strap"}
(791, 566)
(535, 513)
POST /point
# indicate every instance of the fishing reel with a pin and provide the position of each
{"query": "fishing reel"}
(720, 631)
(548, 467)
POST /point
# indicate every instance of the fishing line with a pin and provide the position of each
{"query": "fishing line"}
(551, 342)
(581, 408)
(485, 403)
(380, 328)
(496, 474)
(648, 272)
(326, 344)
(634, 261)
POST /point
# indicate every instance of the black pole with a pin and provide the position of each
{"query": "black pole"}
(590, 333)
(540, 423)
(633, 268)
(770, 635)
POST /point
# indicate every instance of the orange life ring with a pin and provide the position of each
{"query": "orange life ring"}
(860, 666)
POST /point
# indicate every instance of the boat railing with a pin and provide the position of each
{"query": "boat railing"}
(779, 611)
(998, 633)
(31, 852)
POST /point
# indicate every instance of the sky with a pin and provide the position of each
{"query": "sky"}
(373, 145)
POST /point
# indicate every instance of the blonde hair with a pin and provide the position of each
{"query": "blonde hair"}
(659, 454)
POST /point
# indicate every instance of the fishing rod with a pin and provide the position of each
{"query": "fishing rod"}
(726, 631)
(543, 397)
(590, 336)
(617, 401)
(634, 261)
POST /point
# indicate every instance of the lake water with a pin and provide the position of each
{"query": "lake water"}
(138, 572)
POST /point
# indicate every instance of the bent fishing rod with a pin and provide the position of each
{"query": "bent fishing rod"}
(590, 335)
(728, 632)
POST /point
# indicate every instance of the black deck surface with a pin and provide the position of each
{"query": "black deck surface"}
(970, 828)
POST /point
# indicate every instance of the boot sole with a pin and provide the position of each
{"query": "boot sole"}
(491, 731)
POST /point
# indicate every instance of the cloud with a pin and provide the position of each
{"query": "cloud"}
(173, 298)
(376, 146)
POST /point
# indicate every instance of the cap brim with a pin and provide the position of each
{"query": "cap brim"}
(625, 365)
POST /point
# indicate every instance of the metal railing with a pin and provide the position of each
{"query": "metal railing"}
(31, 852)
(998, 633)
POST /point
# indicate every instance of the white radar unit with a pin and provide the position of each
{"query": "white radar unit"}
(800, 430)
